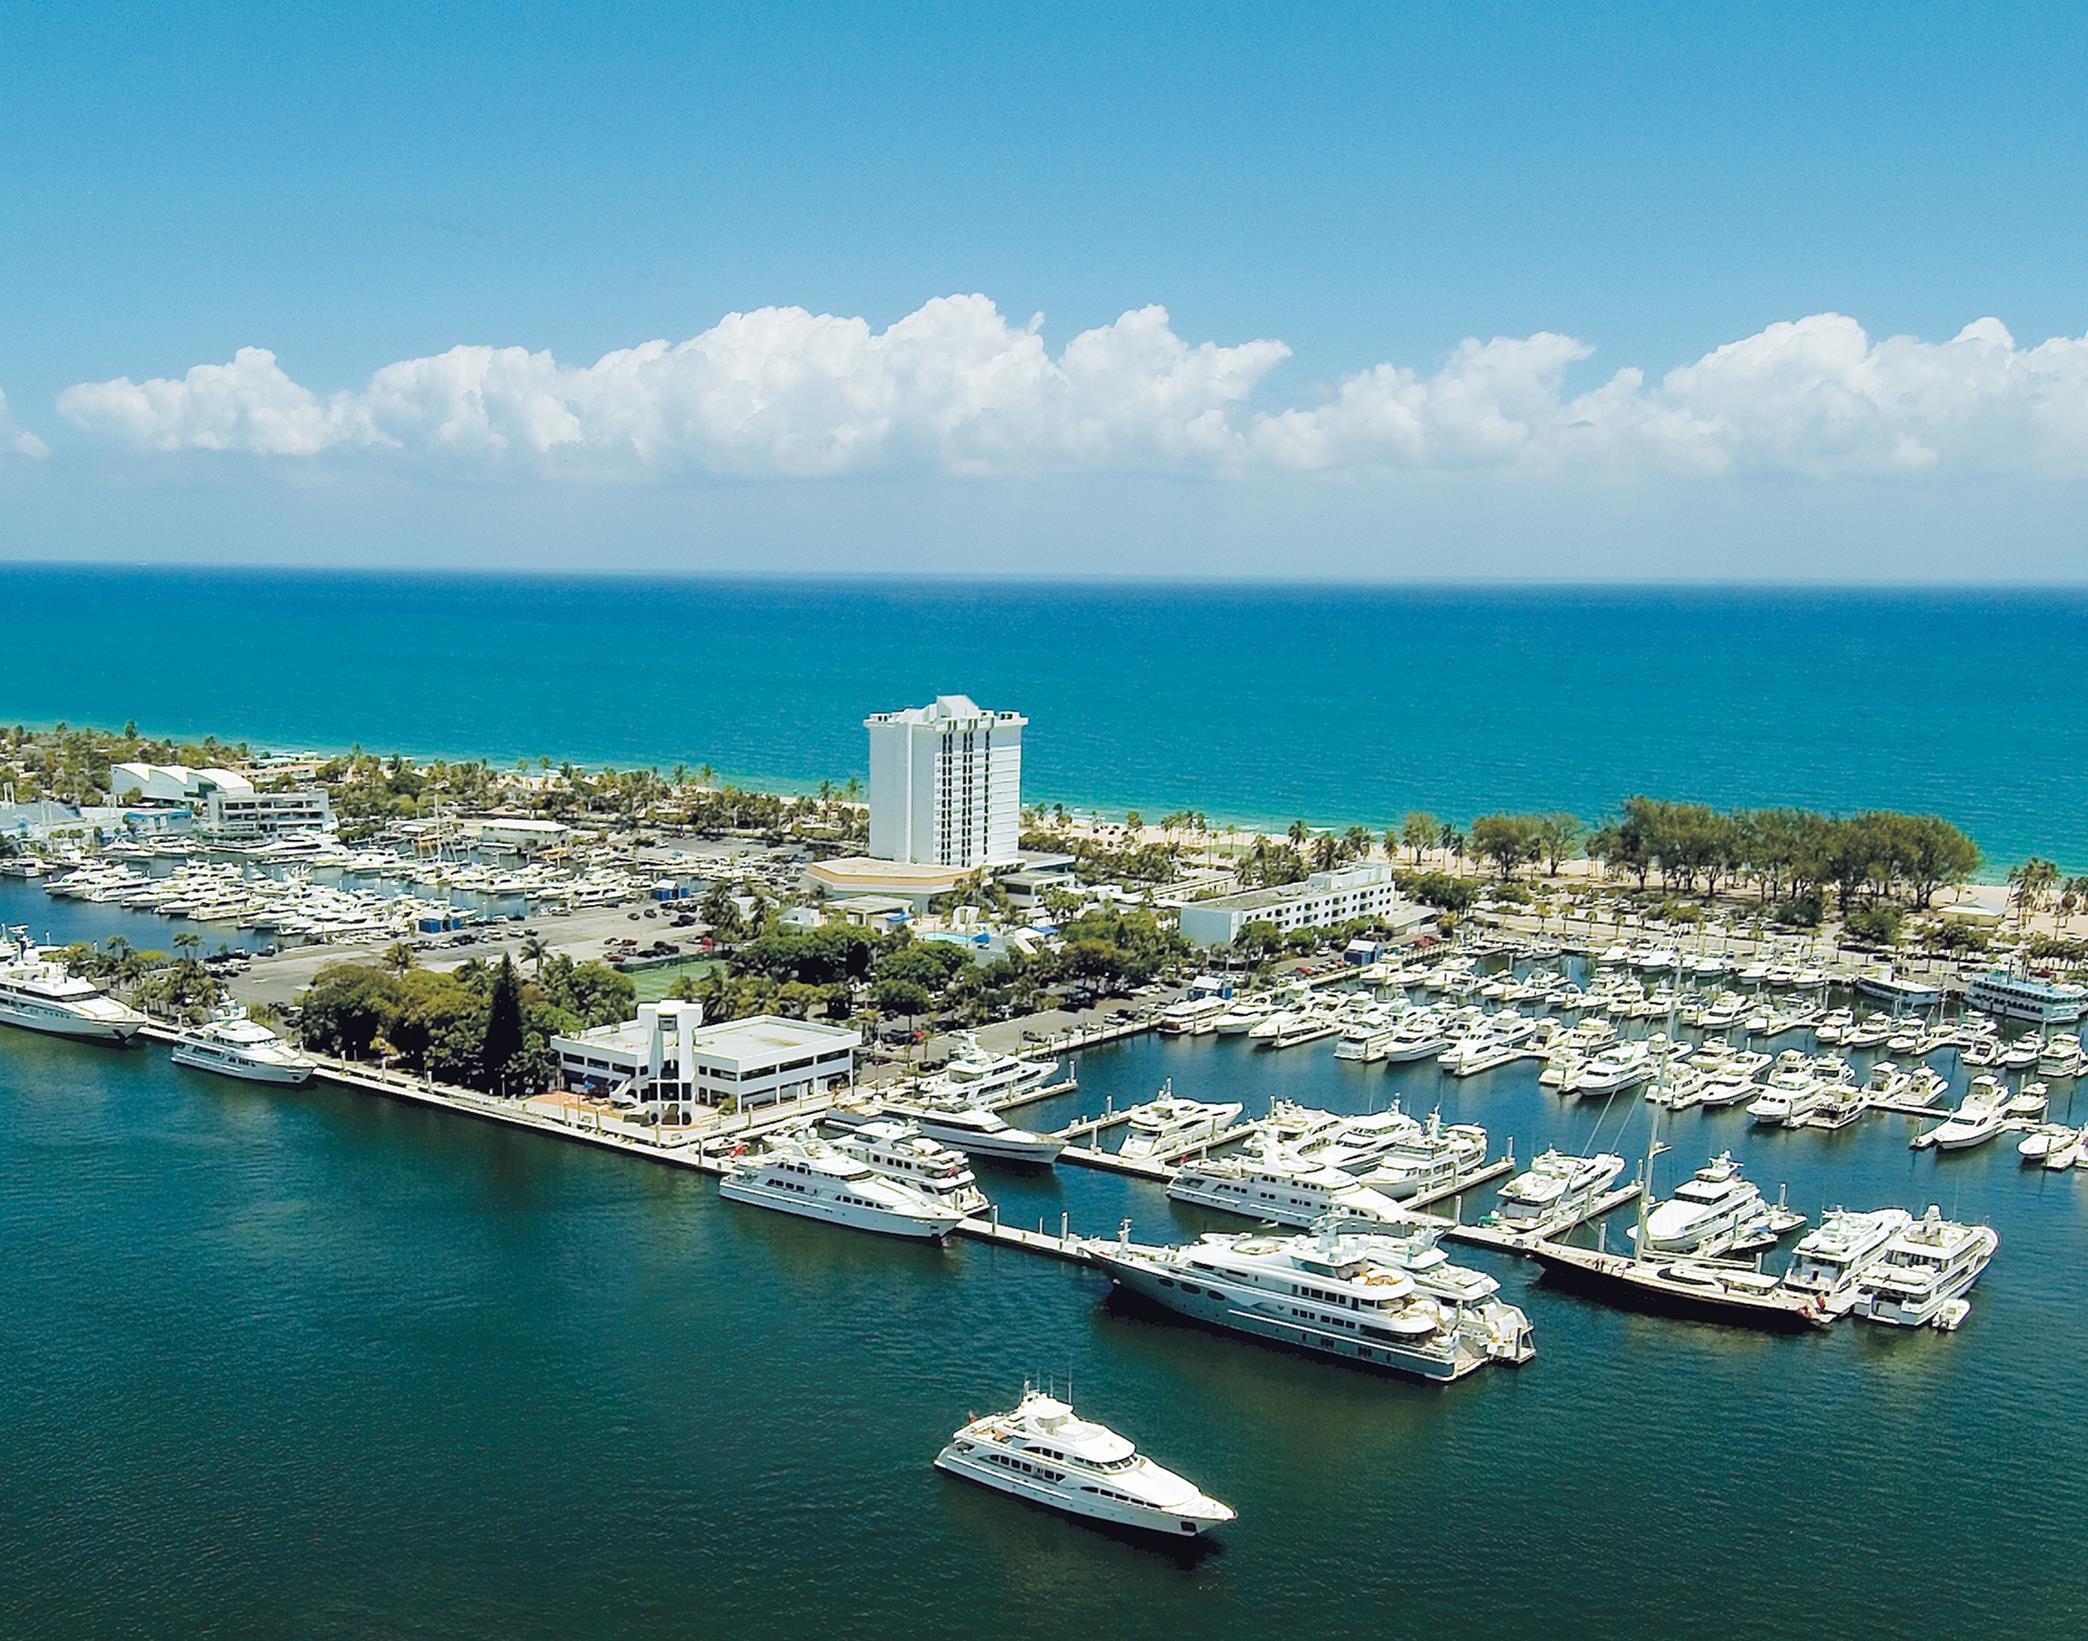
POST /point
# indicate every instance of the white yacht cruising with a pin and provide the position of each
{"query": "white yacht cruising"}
(898, 1150)
(1044, 1453)
(1827, 1261)
(1167, 1124)
(1330, 1293)
(1554, 1187)
(235, 1046)
(1924, 1268)
(38, 994)
(1270, 1180)
(805, 1176)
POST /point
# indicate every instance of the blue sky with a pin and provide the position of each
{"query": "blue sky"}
(356, 188)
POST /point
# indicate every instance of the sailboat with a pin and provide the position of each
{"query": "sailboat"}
(1718, 1290)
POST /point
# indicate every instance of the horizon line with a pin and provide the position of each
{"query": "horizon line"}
(1149, 579)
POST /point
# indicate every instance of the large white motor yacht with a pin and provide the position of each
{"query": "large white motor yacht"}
(898, 1150)
(805, 1176)
(1270, 1180)
(1329, 1293)
(1980, 1117)
(979, 1077)
(37, 993)
(1432, 1159)
(1923, 1269)
(955, 1121)
(235, 1046)
(1622, 1065)
(1827, 1261)
(1168, 1123)
(1046, 1454)
(1554, 1186)
(1707, 1212)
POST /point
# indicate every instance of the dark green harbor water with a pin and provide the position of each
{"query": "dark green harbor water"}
(315, 1364)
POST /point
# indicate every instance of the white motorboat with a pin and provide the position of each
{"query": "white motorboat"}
(1708, 1212)
(1794, 1091)
(232, 1045)
(1828, 1260)
(1270, 1180)
(797, 1174)
(977, 1077)
(1923, 1269)
(900, 1151)
(1430, 1161)
(1555, 1187)
(1043, 1453)
(38, 993)
(970, 1128)
(1355, 1143)
(1978, 1119)
(1330, 1293)
(2061, 1056)
(1168, 1123)
(1620, 1066)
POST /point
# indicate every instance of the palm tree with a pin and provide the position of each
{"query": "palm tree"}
(2031, 881)
(705, 774)
(534, 951)
(1298, 833)
(398, 957)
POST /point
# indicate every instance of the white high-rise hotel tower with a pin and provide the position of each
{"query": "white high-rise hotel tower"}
(946, 784)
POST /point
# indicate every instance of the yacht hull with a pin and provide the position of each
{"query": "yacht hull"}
(57, 1023)
(1067, 1501)
(1616, 1280)
(1210, 1307)
(836, 1213)
(246, 1071)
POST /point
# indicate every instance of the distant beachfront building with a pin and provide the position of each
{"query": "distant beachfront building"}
(225, 803)
(946, 785)
(1323, 900)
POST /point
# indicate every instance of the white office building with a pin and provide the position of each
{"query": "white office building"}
(946, 784)
(668, 1062)
(226, 804)
(1323, 900)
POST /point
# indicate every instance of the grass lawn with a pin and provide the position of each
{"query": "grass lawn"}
(654, 984)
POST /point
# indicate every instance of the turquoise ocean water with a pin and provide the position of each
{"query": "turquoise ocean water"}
(1331, 704)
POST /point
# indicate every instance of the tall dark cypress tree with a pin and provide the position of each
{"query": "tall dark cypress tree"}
(503, 1026)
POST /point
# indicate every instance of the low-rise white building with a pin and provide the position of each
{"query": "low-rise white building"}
(1323, 900)
(668, 1062)
(225, 802)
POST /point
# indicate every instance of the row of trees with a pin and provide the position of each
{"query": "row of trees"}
(479, 1025)
(1864, 859)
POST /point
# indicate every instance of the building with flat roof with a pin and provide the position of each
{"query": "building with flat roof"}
(946, 784)
(669, 1063)
(851, 876)
(226, 804)
(1323, 900)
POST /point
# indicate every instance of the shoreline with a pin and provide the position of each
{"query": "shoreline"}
(1091, 817)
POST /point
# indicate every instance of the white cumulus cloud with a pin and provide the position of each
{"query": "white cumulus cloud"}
(956, 386)
(17, 440)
